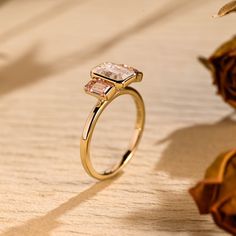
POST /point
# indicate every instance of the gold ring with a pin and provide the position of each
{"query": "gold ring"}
(108, 81)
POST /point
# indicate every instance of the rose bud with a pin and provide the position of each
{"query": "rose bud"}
(222, 64)
(216, 194)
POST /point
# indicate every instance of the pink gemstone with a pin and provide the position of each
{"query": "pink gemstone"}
(98, 86)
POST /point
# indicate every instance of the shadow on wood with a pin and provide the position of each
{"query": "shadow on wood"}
(189, 152)
(27, 69)
(39, 19)
(44, 225)
(24, 70)
(3, 2)
(192, 149)
(170, 217)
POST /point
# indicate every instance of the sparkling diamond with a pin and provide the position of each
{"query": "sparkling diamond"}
(98, 86)
(115, 72)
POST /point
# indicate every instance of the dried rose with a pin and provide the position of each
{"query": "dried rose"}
(216, 194)
(222, 64)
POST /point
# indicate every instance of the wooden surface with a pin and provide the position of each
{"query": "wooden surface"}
(47, 50)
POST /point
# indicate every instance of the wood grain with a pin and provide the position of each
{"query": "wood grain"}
(47, 50)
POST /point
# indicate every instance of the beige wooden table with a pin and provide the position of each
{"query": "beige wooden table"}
(46, 51)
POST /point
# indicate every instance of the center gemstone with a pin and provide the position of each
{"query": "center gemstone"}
(115, 72)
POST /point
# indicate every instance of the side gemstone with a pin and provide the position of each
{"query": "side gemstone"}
(98, 87)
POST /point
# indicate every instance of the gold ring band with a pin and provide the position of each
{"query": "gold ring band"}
(107, 85)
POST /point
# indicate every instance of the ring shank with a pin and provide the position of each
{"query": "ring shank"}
(91, 123)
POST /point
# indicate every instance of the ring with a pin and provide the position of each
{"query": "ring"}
(109, 81)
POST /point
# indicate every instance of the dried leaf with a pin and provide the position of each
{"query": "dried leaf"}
(206, 62)
(226, 9)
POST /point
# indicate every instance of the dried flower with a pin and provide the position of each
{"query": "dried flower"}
(227, 8)
(222, 64)
(216, 194)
